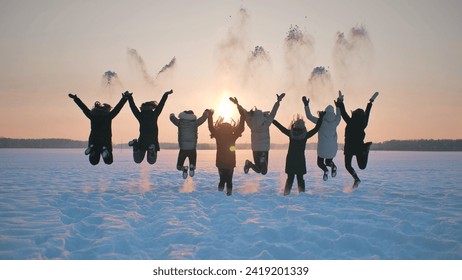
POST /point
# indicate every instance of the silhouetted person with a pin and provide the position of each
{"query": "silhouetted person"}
(327, 137)
(354, 136)
(187, 124)
(225, 135)
(295, 159)
(148, 141)
(100, 140)
(259, 123)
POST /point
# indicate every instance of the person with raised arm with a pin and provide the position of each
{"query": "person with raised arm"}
(100, 139)
(259, 123)
(148, 140)
(354, 136)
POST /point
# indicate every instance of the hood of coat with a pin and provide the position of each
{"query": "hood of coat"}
(330, 114)
(187, 115)
(257, 117)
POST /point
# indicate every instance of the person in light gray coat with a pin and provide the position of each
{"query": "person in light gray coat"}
(259, 123)
(187, 124)
(327, 136)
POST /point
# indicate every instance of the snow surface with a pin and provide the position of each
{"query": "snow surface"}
(55, 205)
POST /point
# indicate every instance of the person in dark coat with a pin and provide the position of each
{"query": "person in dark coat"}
(148, 141)
(100, 139)
(354, 137)
(187, 123)
(295, 159)
(225, 135)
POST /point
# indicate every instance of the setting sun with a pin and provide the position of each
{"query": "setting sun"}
(225, 107)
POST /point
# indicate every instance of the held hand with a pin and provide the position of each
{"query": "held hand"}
(280, 97)
(127, 94)
(172, 115)
(73, 96)
(211, 111)
(169, 92)
(374, 96)
(340, 96)
(305, 100)
(234, 100)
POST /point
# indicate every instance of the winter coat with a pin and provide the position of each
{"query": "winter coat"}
(187, 129)
(226, 143)
(354, 130)
(295, 159)
(101, 124)
(327, 135)
(149, 131)
(259, 124)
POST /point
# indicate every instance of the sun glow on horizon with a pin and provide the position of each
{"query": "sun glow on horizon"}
(225, 108)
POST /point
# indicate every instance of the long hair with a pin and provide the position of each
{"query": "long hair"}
(224, 127)
(297, 122)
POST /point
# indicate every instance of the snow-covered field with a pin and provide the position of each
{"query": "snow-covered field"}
(55, 205)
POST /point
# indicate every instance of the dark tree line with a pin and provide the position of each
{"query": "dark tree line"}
(392, 145)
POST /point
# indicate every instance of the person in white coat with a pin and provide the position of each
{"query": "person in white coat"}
(187, 124)
(327, 137)
(259, 123)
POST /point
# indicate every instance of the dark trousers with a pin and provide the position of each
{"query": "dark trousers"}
(261, 162)
(324, 162)
(139, 153)
(95, 155)
(191, 155)
(361, 159)
(290, 182)
(226, 177)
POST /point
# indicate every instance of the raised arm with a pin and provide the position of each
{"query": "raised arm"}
(174, 119)
(203, 118)
(136, 112)
(281, 128)
(161, 104)
(306, 102)
(318, 125)
(210, 123)
(241, 126)
(273, 112)
(81, 105)
(369, 107)
(120, 105)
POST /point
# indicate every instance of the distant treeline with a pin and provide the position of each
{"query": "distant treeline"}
(419, 145)
(392, 145)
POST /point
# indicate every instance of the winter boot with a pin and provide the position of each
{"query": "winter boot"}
(229, 189)
(221, 186)
(185, 172)
(356, 182)
(301, 186)
(325, 176)
(192, 168)
(89, 150)
(334, 170)
(287, 187)
(152, 154)
(132, 143)
(105, 153)
(247, 166)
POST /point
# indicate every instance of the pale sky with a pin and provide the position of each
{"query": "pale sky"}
(409, 51)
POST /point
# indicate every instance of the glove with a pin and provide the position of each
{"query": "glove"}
(340, 96)
(280, 97)
(169, 92)
(73, 96)
(305, 100)
(234, 100)
(374, 96)
(127, 94)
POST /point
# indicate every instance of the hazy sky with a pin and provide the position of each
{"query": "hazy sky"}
(409, 51)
